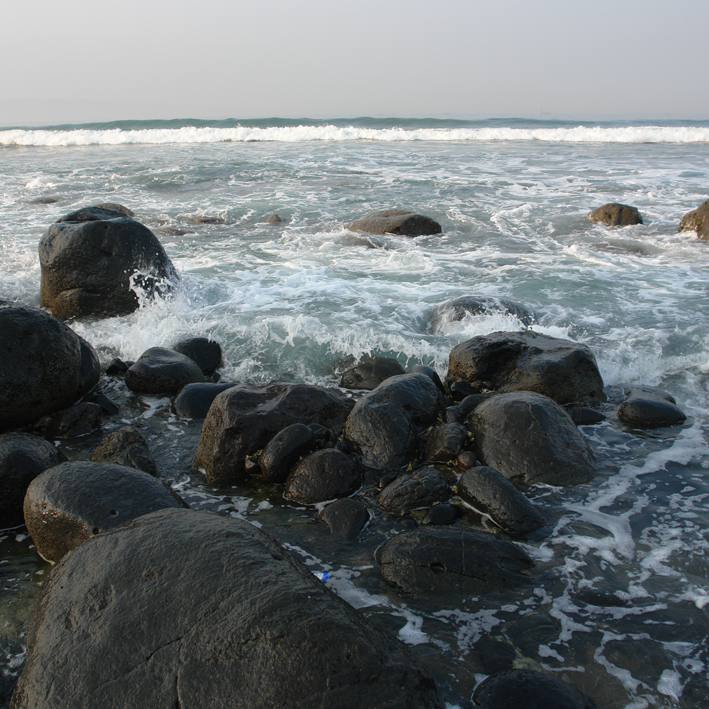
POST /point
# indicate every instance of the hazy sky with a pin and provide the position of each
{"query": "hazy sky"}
(81, 60)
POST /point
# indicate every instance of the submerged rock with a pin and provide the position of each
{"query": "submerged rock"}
(191, 609)
(615, 214)
(396, 221)
(697, 220)
(458, 308)
(162, 371)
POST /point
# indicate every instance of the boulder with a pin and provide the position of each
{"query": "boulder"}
(206, 353)
(529, 438)
(647, 407)
(455, 561)
(22, 458)
(92, 259)
(346, 518)
(529, 689)
(194, 399)
(90, 368)
(43, 365)
(114, 206)
(441, 514)
(284, 450)
(74, 501)
(489, 492)
(429, 372)
(513, 361)
(77, 420)
(162, 371)
(191, 609)
(244, 418)
(324, 475)
(412, 491)
(459, 308)
(396, 221)
(370, 373)
(445, 441)
(385, 423)
(126, 447)
(615, 214)
(273, 219)
(697, 220)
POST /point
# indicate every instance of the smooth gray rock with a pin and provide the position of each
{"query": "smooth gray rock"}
(697, 220)
(206, 353)
(458, 308)
(615, 214)
(415, 490)
(452, 561)
(162, 371)
(346, 518)
(191, 609)
(370, 373)
(194, 399)
(126, 447)
(647, 407)
(488, 491)
(396, 221)
(324, 475)
(529, 438)
(445, 441)
(527, 361)
(74, 501)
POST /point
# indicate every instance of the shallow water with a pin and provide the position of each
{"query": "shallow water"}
(618, 604)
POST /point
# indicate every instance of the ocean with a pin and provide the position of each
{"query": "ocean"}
(621, 592)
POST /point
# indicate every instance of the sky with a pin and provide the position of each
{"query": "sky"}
(82, 61)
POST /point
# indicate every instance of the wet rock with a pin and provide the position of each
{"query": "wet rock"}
(429, 372)
(273, 219)
(466, 460)
(324, 475)
(644, 658)
(460, 390)
(529, 689)
(647, 407)
(244, 418)
(108, 407)
(488, 491)
(207, 219)
(453, 414)
(346, 518)
(441, 514)
(162, 371)
(92, 258)
(396, 221)
(194, 399)
(526, 361)
(529, 438)
(45, 200)
(44, 367)
(22, 458)
(71, 502)
(415, 490)
(77, 420)
(457, 309)
(206, 353)
(584, 416)
(117, 366)
(386, 422)
(115, 207)
(90, 368)
(126, 447)
(491, 655)
(697, 220)
(615, 214)
(219, 615)
(452, 560)
(370, 373)
(445, 441)
(284, 450)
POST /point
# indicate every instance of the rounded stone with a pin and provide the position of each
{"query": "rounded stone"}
(324, 475)
(162, 371)
(615, 214)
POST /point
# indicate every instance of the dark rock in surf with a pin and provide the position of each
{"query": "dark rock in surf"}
(244, 418)
(219, 615)
(488, 491)
(126, 447)
(457, 309)
(370, 373)
(162, 371)
(429, 372)
(273, 219)
(584, 416)
(455, 561)
(647, 407)
(324, 475)
(206, 353)
(286, 448)
(697, 220)
(90, 369)
(194, 399)
(92, 258)
(346, 518)
(445, 441)
(396, 221)
(616, 215)
(419, 489)
(529, 438)
(207, 219)
(74, 501)
(441, 514)
(77, 420)
(22, 458)
(117, 367)
(513, 361)
(385, 423)
(115, 207)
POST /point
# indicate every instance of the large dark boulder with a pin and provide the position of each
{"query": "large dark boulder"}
(488, 491)
(396, 221)
(529, 438)
(456, 561)
(412, 491)
(92, 260)
(22, 458)
(206, 353)
(458, 308)
(615, 214)
(44, 365)
(126, 447)
(193, 610)
(346, 518)
(244, 418)
(513, 361)
(194, 399)
(162, 371)
(445, 441)
(286, 448)
(385, 423)
(324, 475)
(697, 220)
(74, 501)
(370, 373)
(647, 407)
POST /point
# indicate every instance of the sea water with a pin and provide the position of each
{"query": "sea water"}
(619, 599)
